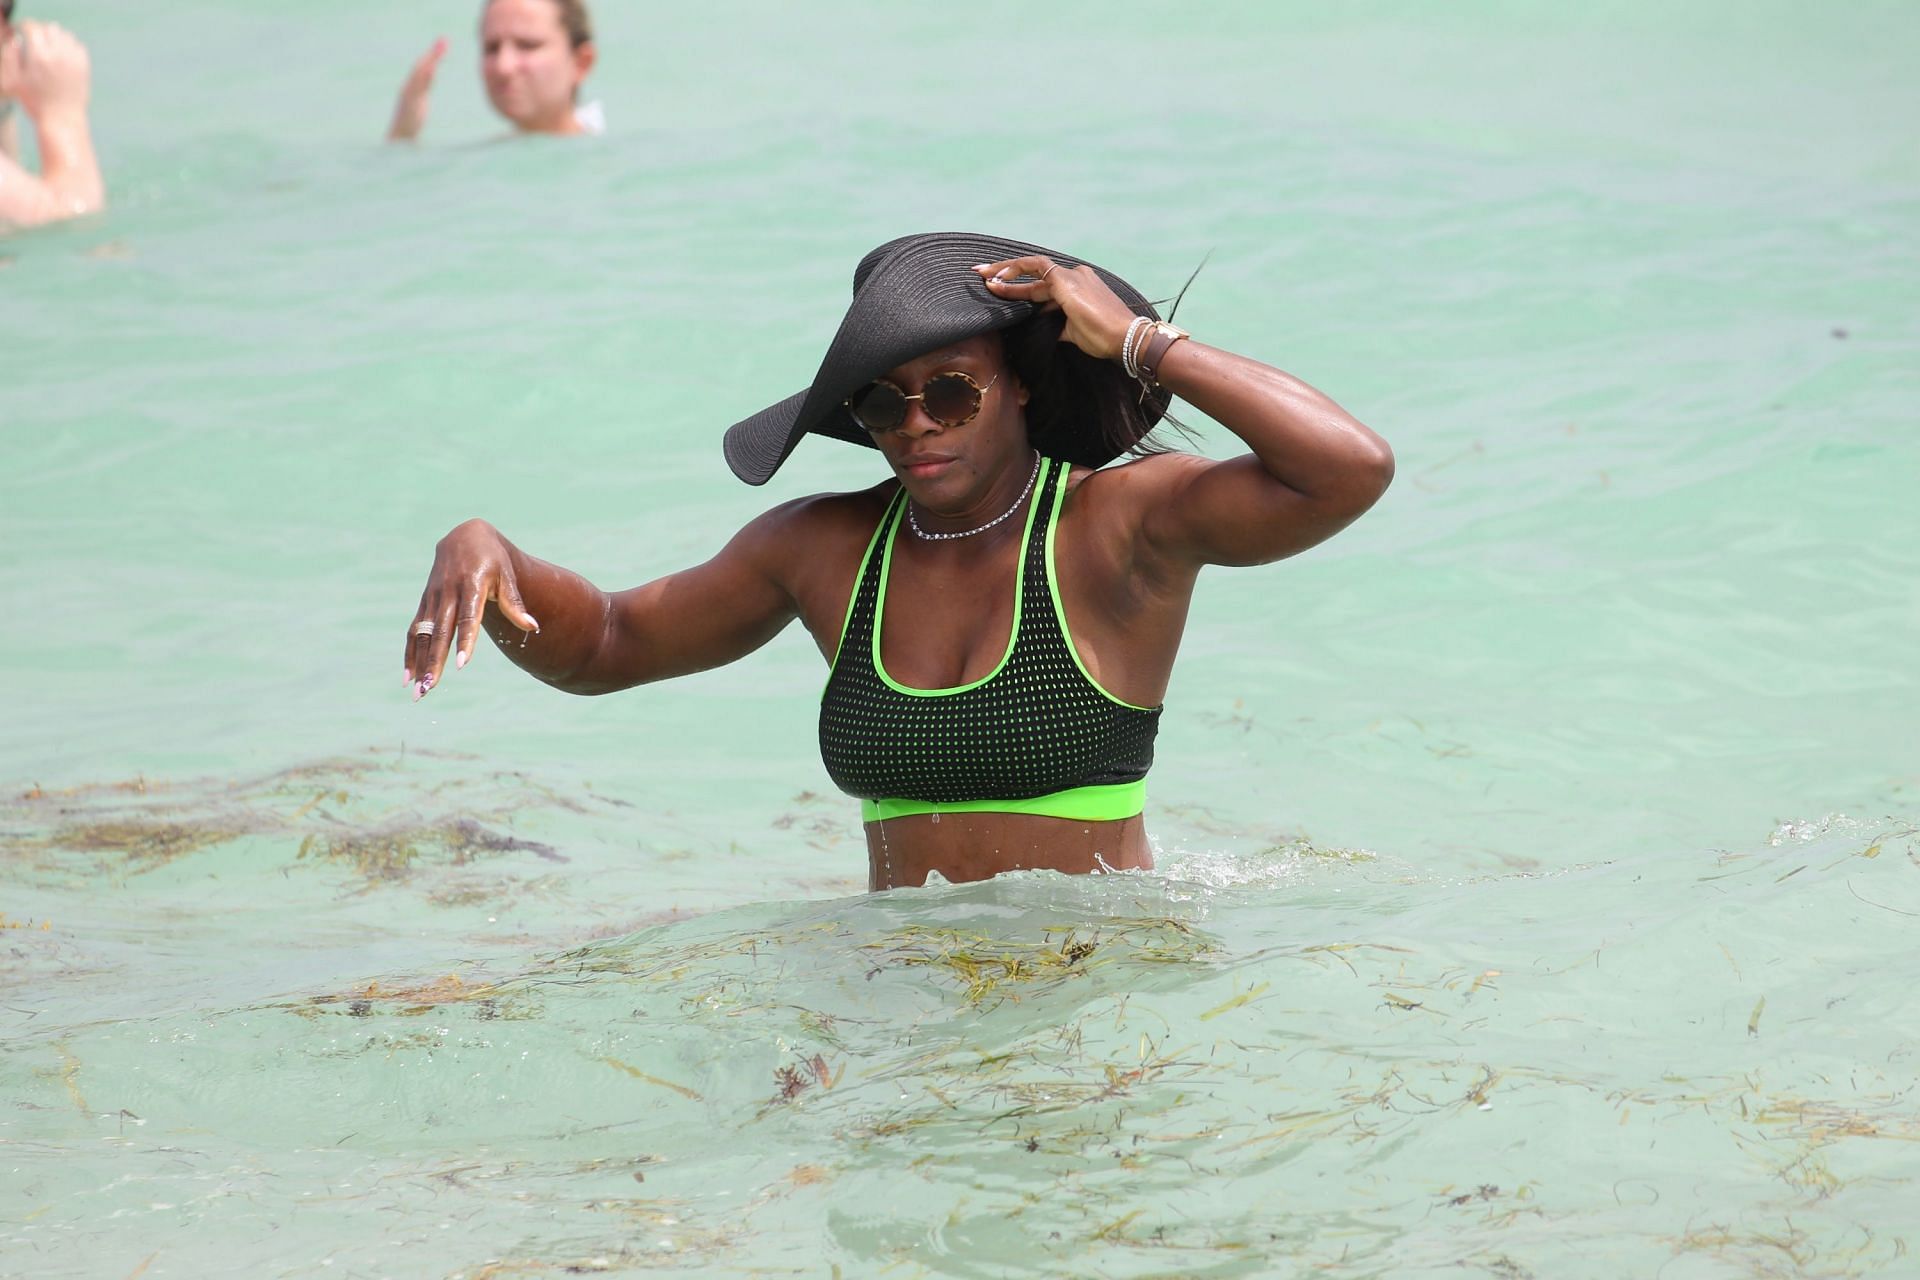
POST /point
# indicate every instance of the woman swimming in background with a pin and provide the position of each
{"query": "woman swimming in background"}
(534, 56)
(46, 72)
(1000, 614)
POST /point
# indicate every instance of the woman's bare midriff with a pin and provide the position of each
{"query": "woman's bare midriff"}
(976, 846)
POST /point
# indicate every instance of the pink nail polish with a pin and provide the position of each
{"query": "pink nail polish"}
(460, 660)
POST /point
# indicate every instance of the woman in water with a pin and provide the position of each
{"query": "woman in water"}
(1000, 614)
(46, 72)
(534, 55)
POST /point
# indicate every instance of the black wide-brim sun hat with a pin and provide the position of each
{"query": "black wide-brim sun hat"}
(910, 296)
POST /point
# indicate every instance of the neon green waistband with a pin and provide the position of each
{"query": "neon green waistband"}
(1081, 804)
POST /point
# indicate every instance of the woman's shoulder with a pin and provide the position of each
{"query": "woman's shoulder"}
(818, 509)
(811, 524)
(1108, 507)
(812, 545)
(1135, 479)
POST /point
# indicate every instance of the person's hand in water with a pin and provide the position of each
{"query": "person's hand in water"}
(473, 569)
(410, 112)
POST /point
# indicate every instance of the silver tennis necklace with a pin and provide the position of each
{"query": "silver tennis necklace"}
(918, 532)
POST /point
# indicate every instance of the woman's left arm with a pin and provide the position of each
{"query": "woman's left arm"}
(1313, 469)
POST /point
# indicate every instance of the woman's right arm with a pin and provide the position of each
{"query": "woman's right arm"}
(563, 630)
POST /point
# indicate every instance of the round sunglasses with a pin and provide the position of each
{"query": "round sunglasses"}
(951, 399)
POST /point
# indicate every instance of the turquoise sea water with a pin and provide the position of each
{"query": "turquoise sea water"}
(1540, 859)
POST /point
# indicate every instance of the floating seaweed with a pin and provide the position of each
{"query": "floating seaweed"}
(991, 969)
(391, 854)
(328, 812)
(145, 844)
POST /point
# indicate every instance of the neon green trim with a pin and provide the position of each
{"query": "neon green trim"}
(1013, 633)
(854, 598)
(1059, 602)
(1108, 803)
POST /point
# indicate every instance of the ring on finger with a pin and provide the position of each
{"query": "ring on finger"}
(1051, 267)
(424, 627)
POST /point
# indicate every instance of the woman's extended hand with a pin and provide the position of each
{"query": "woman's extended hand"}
(410, 112)
(472, 567)
(1096, 318)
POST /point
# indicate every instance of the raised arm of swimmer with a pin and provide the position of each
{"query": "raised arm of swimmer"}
(416, 92)
(1313, 469)
(46, 70)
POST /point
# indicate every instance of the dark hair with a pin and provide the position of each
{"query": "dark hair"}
(6, 9)
(1065, 384)
(1073, 397)
(573, 17)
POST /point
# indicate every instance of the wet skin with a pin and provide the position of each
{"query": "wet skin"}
(1129, 545)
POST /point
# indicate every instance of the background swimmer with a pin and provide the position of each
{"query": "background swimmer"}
(45, 71)
(534, 55)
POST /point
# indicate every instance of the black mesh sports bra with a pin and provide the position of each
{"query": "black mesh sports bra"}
(1036, 735)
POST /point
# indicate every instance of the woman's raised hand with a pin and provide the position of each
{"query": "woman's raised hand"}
(1096, 318)
(410, 112)
(47, 69)
(472, 567)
